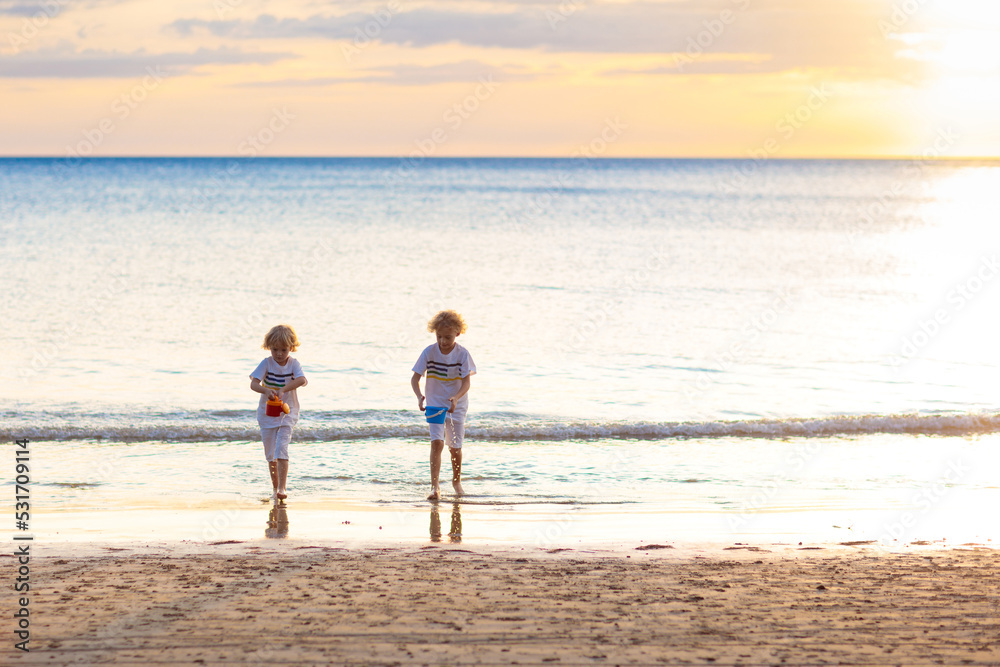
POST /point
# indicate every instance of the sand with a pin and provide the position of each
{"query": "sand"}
(249, 603)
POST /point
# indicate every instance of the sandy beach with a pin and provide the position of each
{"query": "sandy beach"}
(283, 603)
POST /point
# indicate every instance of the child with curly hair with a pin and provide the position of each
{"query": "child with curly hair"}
(278, 376)
(449, 369)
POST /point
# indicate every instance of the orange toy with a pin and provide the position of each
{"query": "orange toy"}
(276, 406)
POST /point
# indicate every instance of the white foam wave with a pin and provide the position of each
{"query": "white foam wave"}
(179, 428)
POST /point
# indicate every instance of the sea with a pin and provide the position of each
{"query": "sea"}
(730, 351)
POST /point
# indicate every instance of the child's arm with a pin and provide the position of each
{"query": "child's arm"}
(294, 384)
(462, 391)
(415, 383)
(255, 385)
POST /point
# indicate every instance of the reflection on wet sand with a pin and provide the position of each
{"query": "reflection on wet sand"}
(455, 533)
(277, 522)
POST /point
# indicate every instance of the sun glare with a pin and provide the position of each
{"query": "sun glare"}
(962, 208)
(957, 41)
(958, 35)
(971, 51)
(970, 12)
(966, 33)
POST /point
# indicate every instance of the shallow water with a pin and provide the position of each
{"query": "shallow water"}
(717, 349)
(876, 487)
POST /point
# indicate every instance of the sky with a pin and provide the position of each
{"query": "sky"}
(559, 78)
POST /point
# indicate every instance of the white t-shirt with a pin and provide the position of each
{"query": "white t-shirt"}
(444, 373)
(272, 375)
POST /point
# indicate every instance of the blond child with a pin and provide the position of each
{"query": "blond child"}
(278, 375)
(449, 369)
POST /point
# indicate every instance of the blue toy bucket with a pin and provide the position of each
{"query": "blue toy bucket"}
(435, 415)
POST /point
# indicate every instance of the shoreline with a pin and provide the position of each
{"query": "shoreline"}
(634, 548)
(501, 525)
(626, 550)
(281, 602)
(895, 491)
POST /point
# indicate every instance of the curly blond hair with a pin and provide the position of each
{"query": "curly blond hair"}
(281, 334)
(446, 319)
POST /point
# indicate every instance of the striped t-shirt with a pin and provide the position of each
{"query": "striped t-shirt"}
(272, 375)
(444, 373)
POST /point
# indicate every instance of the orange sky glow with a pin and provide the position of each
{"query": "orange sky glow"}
(622, 78)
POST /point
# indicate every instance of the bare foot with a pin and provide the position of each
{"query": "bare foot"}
(459, 491)
(435, 493)
(281, 494)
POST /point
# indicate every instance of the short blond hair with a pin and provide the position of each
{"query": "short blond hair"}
(446, 319)
(283, 335)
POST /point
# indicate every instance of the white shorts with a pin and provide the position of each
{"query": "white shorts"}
(276, 442)
(451, 431)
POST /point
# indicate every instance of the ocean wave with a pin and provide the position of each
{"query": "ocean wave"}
(375, 425)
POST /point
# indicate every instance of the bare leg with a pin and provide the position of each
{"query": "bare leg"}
(456, 470)
(436, 447)
(272, 468)
(282, 469)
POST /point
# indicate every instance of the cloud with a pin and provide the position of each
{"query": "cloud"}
(786, 34)
(49, 8)
(66, 63)
(16, 9)
(466, 71)
(626, 28)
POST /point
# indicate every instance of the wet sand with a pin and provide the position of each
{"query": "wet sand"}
(288, 603)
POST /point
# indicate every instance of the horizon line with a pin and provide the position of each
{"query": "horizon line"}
(887, 158)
